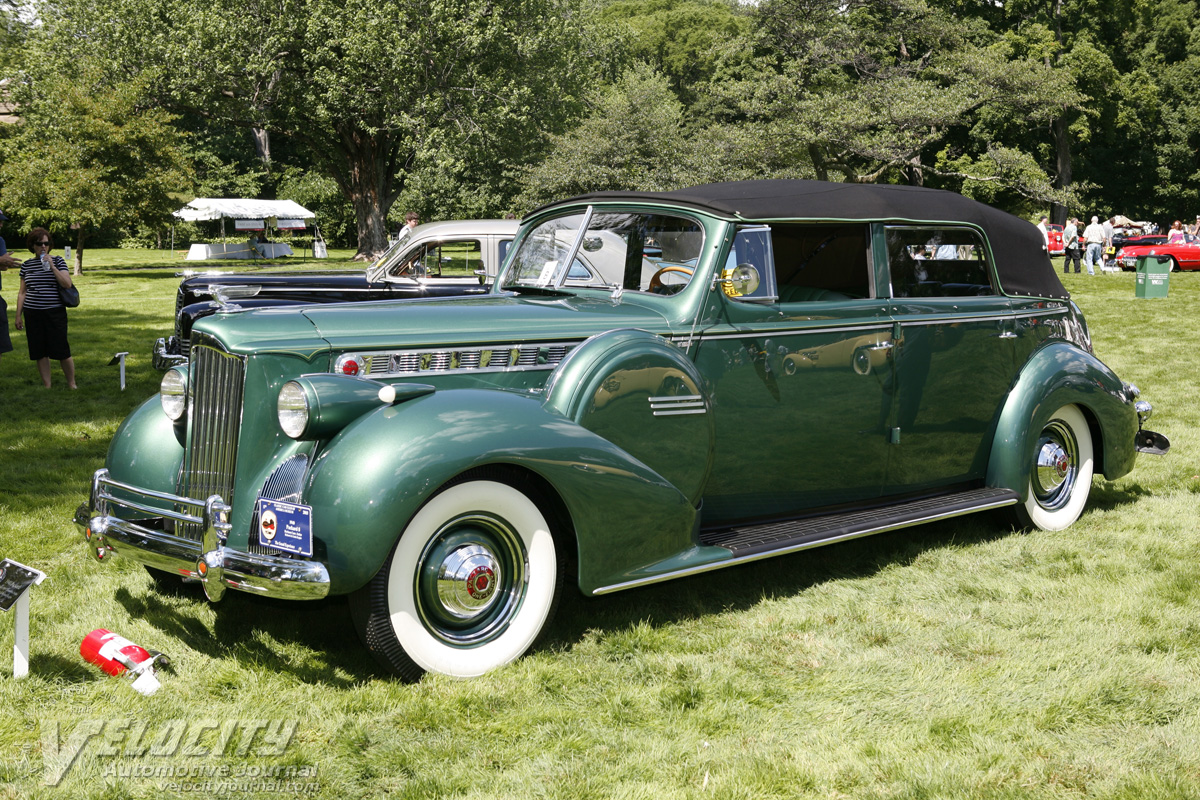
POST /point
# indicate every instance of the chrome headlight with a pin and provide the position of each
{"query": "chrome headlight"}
(292, 407)
(173, 393)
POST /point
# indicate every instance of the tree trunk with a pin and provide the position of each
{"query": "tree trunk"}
(262, 145)
(365, 168)
(79, 237)
(1063, 175)
(372, 225)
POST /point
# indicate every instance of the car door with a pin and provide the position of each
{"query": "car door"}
(800, 374)
(955, 355)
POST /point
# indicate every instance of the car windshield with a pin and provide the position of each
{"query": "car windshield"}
(633, 251)
(390, 256)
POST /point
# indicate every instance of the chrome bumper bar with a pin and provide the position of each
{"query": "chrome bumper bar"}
(210, 561)
(162, 360)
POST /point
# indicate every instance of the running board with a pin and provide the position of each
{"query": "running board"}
(754, 542)
(778, 537)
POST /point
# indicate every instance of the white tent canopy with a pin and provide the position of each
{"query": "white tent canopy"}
(208, 208)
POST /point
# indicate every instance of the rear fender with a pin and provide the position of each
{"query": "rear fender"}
(1062, 374)
(374, 475)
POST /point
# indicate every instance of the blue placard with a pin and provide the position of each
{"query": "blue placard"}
(286, 527)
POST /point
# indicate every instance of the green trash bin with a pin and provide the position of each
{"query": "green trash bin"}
(1153, 276)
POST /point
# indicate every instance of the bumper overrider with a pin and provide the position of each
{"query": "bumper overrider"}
(144, 533)
(166, 354)
(1145, 441)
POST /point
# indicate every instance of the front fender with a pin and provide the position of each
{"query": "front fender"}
(376, 473)
(147, 449)
(1062, 374)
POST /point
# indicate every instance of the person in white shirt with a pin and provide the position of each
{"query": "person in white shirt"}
(1093, 238)
(1071, 245)
(1044, 226)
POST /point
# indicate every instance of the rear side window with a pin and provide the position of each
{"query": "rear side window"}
(938, 262)
(461, 257)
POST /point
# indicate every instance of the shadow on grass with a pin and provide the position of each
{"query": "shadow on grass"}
(742, 587)
(69, 670)
(1107, 495)
(246, 626)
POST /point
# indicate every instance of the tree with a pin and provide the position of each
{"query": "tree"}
(375, 89)
(892, 90)
(88, 154)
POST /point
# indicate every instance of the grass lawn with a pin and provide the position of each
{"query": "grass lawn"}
(958, 659)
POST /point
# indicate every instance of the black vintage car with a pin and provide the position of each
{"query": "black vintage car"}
(413, 267)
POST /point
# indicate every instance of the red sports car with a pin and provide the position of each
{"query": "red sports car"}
(1184, 255)
(1055, 240)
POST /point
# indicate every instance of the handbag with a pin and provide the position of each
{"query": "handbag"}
(69, 295)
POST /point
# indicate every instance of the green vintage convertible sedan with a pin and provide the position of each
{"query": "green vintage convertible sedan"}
(658, 385)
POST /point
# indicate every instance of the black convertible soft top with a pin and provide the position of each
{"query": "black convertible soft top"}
(1022, 263)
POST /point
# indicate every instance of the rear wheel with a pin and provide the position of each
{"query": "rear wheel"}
(1060, 476)
(471, 585)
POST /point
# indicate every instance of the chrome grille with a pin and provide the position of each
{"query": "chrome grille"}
(215, 417)
(284, 484)
(184, 342)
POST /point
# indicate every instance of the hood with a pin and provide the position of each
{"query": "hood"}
(465, 320)
(306, 330)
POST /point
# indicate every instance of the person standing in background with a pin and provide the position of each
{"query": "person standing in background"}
(6, 261)
(1044, 226)
(1071, 245)
(40, 302)
(1093, 238)
(1108, 237)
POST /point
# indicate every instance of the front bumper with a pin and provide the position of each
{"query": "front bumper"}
(166, 354)
(146, 535)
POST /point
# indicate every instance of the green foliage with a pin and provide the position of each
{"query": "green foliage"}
(320, 195)
(88, 155)
(681, 39)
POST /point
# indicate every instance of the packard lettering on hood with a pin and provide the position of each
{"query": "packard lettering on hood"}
(656, 385)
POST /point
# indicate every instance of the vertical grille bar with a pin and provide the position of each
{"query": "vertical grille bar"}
(215, 414)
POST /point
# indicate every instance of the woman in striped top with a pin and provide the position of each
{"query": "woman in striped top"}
(40, 309)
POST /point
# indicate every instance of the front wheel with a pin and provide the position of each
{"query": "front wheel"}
(471, 585)
(1060, 476)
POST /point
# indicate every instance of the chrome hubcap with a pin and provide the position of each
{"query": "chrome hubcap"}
(1056, 466)
(470, 579)
(467, 580)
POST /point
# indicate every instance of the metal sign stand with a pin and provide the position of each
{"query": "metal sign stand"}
(15, 580)
(119, 358)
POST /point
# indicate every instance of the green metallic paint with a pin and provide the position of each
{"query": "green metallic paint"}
(334, 401)
(606, 384)
(775, 372)
(146, 451)
(265, 331)
(955, 364)
(374, 475)
(491, 319)
(1057, 375)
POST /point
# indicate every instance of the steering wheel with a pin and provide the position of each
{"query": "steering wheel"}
(656, 283)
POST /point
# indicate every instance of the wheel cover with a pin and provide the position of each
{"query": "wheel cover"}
(470, 579)
(1056, 466)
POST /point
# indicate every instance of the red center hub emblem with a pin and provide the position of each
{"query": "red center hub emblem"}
(480, 583)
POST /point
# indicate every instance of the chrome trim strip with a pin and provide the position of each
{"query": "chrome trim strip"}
(768, 333)
(473, 360)
(733, 562)
(674, 406)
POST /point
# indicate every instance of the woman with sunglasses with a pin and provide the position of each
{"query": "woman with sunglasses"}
(40, 309)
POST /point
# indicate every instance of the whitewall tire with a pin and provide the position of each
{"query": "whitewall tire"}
(1060, 476)
(470, 586)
